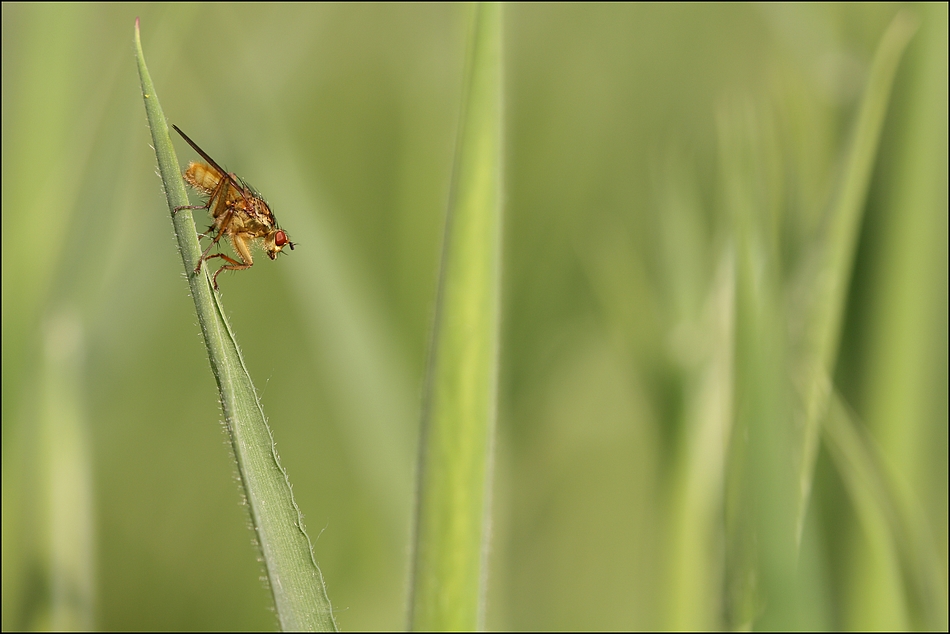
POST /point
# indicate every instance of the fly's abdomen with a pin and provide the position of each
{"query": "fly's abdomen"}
(202, 177)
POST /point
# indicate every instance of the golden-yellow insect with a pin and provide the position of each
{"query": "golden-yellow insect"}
(239, 212)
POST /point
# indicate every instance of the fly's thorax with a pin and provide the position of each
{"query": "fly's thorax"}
(261, 212)
(202, 177)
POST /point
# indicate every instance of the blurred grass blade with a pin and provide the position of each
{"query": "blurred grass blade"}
(890, 521)
(837, 255)
(68, 481)
(905, 395)
(459, 409)
(694, 597)
(49, 526)
(295, 580)
(760, 485)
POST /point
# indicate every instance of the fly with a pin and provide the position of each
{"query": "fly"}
(239, 212)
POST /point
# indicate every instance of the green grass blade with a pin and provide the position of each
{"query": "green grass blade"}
(694, 596)
(67, 500)
(760, 498)
(459, 410)
(49, 493)
(295, 580)
(837, 251)
(905, 398)
(890, 520)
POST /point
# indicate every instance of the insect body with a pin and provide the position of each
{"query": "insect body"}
(239, 212)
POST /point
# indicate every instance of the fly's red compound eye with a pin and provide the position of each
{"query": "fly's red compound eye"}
(280, 239)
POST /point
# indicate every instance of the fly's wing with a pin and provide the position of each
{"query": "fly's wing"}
(236, 191)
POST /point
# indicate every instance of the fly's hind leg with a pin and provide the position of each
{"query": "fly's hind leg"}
(241, 248)
(233, 265)
(175, 210)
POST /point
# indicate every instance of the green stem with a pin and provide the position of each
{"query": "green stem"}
(832, 283)
(459, 409)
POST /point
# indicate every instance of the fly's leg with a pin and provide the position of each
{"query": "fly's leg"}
(204, 254)
(222, 214)
(175, 210)
(233, 265)
(239, 242)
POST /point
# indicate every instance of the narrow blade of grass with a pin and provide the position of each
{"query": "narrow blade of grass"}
(694, 597)
(837, 250)
(760, 495)
(295, 580)
(905, 395)
(890, 521)
(459, 409)
(67, 479)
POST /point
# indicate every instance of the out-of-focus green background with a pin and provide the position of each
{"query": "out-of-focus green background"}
(616, 271)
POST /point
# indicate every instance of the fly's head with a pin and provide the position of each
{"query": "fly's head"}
(275, 241)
